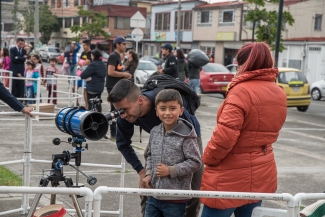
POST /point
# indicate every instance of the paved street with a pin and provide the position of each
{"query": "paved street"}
(299, 153)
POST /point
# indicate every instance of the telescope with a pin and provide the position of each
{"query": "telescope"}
(81, 123)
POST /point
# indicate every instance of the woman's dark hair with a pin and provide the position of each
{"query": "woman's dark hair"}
(180, 54)
(36, 56)
(31, 63)
(134, 55)
(97, 54)
(254, 56)
(5, 52)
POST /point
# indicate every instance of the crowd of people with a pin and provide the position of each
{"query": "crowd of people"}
(239, 155)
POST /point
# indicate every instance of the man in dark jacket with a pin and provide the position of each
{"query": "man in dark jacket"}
(6, 96)
(17, 66)
(170, 63)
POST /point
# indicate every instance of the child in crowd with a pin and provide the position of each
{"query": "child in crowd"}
(51, 73)
(30, 85)
(173, 156)
(39, 68)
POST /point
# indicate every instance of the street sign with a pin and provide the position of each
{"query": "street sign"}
(137, 34)
(138, 20)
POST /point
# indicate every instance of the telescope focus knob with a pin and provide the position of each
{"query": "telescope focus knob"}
(91, 180)
(56, 141)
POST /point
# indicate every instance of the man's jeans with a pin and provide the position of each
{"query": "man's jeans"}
(160, 208)
(243, 211)
(195, 85)
(72, 70)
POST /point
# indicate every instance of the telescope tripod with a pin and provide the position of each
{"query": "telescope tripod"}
(55, 182)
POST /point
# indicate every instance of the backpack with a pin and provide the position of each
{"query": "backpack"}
(162, 81)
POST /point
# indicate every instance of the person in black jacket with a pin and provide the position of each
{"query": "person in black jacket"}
(170, 63)
(6, 96)
(95, 74)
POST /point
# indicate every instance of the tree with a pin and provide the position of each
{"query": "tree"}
(266, 22)
(48, 23)
(93, 28)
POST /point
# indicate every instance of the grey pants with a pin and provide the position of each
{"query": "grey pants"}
(193, 205)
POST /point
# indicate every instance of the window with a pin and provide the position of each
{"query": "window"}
(226, 18)
(122, 23)
(76, 3)
(205, 15)
(84, 20)
(162, 22)
(207, 50)
(10, 1)
(67, 23)
(286, 77)
(186, 20)
(66, 3)
(60, 20)
(58, 3)
(52, 3)
(7, 27)
(318, 22)
(76, 21)
(315, 49)
(246, 23)
(146, 66)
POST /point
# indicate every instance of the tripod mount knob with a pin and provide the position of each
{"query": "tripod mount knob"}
(56, 141)
(91, 180)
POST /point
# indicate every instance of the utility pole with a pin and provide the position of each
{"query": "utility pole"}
(1, 26)
(278, 34)
(178, 45)
(36, 26)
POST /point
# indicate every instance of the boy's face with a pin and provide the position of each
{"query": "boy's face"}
(53, 63)
(168, 113)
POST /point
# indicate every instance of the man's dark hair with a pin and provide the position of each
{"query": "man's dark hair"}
(20, 39)
(53, 59)
(87, 42)
(114, 45)
(168, 95)
(124, 89)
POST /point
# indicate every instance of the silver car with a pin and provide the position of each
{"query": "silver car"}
(46, 53)
(318, 90)
(144, 70)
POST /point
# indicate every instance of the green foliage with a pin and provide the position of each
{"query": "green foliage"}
(93, 28)
(17, 24)
(266, 22)
(48, 23)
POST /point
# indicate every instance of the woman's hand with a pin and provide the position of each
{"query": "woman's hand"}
(127, 75)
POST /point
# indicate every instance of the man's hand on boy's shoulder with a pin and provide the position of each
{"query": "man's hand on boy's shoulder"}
(162, 170)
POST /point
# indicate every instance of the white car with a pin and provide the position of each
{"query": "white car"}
(46, 53)
(144, 70)
(318, 90)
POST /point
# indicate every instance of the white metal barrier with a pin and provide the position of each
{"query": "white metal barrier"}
(50, 190)
(9, 76)
(198, 194)
(27, 160)
(305, 196)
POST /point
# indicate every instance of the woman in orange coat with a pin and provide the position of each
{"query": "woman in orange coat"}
(239, 156)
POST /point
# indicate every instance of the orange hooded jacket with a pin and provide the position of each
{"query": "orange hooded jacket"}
(239, 156)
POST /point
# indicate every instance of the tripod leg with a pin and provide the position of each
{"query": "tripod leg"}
(34, 205)
(53, 198)
(76, 205)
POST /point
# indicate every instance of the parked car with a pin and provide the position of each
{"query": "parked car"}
(155, 60)
(232, 67)
(105, 56)
(144, 70)
(318, 90)
(46, 53)
(215, 78)
(295, 85)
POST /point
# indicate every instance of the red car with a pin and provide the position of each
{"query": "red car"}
(214, 78)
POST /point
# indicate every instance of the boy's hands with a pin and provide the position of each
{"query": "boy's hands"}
(162, 170)
(146, 181)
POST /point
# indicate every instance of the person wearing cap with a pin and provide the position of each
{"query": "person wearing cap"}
(115, 72)
(170, 63)
(8, 98)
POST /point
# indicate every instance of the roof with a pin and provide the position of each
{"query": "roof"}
(291, 2)
(315, 39)
(220, 4)
(173, 2)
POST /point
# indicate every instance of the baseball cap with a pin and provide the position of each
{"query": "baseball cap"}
(119, 39)
(168, 47)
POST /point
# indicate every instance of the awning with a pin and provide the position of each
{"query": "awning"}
(99, 41)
